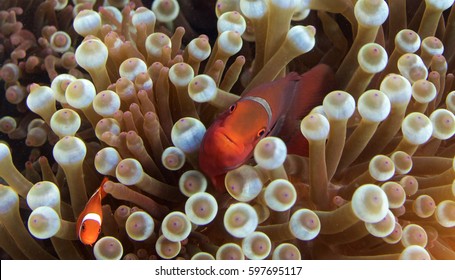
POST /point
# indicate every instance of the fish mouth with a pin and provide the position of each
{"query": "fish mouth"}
(229, 141)
(220, 143)
(228, 138)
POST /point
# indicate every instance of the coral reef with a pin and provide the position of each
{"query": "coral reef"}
(127, 90)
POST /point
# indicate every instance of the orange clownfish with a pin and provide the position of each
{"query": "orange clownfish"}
(88, 224)
(272, 109)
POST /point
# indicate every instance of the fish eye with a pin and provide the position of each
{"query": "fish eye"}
(83, 227)
(261, 132)
(232, 107)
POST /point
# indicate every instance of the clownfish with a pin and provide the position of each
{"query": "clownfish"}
(88, 224)
(271, 109)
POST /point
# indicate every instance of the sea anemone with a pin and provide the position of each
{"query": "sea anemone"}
(125, 91)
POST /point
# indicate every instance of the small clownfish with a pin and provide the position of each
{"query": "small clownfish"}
(271, 109)
(88, 224)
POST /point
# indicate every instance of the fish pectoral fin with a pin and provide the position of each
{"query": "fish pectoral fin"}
(218, 182)
(275, 130)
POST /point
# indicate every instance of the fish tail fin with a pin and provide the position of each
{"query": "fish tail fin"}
(218, 183)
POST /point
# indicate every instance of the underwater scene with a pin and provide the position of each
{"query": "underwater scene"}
(227, 130)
